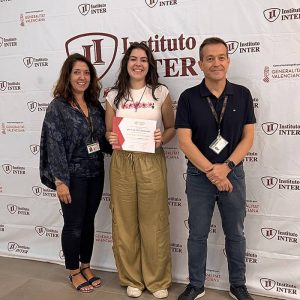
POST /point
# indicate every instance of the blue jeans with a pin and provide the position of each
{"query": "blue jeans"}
(202, 195)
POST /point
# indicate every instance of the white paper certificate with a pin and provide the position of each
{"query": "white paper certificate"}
(134, 134)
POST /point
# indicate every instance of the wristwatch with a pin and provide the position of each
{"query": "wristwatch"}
(230, 164)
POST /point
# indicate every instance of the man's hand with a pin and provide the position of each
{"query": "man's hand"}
(218, 173)
(224, 185)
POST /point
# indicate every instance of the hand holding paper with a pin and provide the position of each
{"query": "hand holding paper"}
(134, 134)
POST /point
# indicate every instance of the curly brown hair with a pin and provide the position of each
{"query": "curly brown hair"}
(122, 82)
(63, 86)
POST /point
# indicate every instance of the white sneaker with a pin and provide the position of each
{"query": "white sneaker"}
(133, 292)
(160, 294)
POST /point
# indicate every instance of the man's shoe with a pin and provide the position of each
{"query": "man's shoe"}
(192, 292)
(240, 293)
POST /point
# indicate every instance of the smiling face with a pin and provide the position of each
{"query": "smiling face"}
(214, 62)
(80, 77)
(137, 65)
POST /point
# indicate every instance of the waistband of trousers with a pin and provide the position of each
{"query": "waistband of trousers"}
(125, 153)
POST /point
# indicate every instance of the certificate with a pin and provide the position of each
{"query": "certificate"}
(134, 134)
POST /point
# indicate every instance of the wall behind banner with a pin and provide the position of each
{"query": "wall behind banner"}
(264, 45)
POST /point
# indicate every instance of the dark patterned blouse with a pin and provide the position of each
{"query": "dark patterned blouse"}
(64, 139)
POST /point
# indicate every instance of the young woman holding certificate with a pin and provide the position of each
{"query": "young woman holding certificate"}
(138, 180)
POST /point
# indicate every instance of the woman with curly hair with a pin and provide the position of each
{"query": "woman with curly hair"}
(71, 162)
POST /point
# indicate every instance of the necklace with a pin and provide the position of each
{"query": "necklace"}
(136, 104)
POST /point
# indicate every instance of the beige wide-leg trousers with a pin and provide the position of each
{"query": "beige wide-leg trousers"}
(140, 212)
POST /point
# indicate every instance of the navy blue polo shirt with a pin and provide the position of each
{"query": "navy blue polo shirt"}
(194, 112)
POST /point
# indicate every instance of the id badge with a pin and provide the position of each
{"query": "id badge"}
(218, 144)
(92, 148)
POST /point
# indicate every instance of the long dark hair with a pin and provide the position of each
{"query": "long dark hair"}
(63, 86)
(122, 83)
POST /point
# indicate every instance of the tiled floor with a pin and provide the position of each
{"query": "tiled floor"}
(33, 280)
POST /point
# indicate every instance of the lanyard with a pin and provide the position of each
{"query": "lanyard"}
(215, 113)
(87, 118)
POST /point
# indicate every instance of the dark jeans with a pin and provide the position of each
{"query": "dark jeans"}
(78, 232)
(202, 195)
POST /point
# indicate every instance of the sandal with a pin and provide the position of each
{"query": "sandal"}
(91, 280)
(82, 285)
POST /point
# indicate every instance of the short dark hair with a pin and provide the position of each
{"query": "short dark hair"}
(210, 41)
(122, 83)
(63, 86)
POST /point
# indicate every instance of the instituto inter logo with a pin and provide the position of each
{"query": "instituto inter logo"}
(176, 248)
(289, 184)
(15, 247)
(3, 85)
(14, 209)
(13, 170)
(282, 14)
(43, 192)
(272, 14)
(269, 181)
(280, 287)
(174, 201)
(8, 42)
(101, 48)
(7, 168)
(10, 86)
(47, 232)
(251, 157)
(92, 9)
(213, 227)
(283, 236)
(268, 233)
(152, 3)
(35, 149)
(30, 61)
(106, 197)
(270, 128)
(243, 47)
(36, 106)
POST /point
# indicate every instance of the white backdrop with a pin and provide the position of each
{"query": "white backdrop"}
(264, 42)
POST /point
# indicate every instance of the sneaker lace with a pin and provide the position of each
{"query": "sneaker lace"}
(189, 289)
(242, 290)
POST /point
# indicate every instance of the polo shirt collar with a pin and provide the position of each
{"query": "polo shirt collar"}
(205, 92)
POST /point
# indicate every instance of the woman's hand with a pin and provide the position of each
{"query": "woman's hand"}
(112, 137)
(63, 193)
(158, 138)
